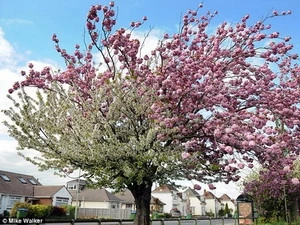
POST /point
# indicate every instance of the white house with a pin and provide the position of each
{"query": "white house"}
(225, 199)
(52, 195)
(195, 202)
(95, 198)
(213, 204)
(128, 201)
(171, 197)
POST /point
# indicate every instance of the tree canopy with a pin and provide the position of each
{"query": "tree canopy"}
(200, 106)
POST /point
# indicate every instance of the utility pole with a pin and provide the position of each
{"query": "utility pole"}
(285, 206)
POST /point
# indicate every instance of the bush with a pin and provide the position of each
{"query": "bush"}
(168, 215)
(58, 211)
(210, 214)
(39, 211)
(19, 205)
(42, 211)
(70, 210)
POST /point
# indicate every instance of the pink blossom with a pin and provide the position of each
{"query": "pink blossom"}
(229, 149)
(295, 181)
(211, 186)
(250, 137)
(30, 65)
(275, 13)
(197, 187)
(252, 143)
(227, 168)
(286, 168)
(185, 155)
(217, 132)
(241, 165)
(228, 130)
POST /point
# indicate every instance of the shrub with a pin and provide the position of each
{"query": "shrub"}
(58, 211)
(39, 211)
(42, 211)
(70, 210)
(19, 205)
(168, 215)
(210, 214)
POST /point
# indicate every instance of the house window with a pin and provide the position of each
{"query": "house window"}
(114, 205)
(32, 181)
(128, 206)
(4, 177)
(61, 201)
(192, 208)
(72, 187)
(12, 200)
(22, 180)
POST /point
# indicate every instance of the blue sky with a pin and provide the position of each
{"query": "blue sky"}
(29, 25)
(26, 28)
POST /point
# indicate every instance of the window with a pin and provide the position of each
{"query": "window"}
(32, 181)
(12, 200)
(72, 186)
(4, 177)
(61, 201)
(114, 205)
(22, 180)
(192, 208)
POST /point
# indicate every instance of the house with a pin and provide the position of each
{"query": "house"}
(128, 201)
(85, 197)
(213, 204)
(52, 195)
(195, 202)
(95, 198)
(72, 185)
(171, 197)
(15, 187)
(156, 205)
(225, 199)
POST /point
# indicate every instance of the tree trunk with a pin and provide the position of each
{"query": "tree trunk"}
(142, 196)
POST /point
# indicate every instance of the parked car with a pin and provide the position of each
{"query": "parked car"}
(175, 213)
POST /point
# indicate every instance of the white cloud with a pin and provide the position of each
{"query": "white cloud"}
(9, 22)
(150, 40)
(7, 52)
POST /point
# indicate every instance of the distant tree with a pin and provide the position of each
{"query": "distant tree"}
(199, 106)
(221, 213)
(227, 210)
(210, 214)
